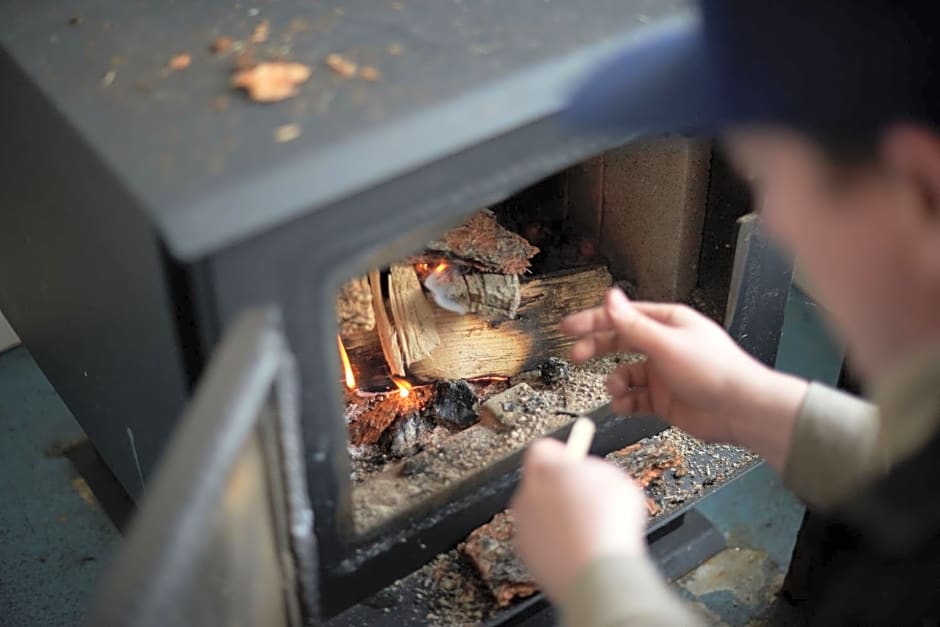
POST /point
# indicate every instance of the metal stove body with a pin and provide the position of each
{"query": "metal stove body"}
(139, 222)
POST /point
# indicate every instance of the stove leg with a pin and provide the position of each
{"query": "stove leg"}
(684, 544)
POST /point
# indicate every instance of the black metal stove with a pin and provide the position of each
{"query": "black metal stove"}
(140, 221)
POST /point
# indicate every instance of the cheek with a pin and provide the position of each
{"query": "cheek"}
(856, 272)
(793, 219)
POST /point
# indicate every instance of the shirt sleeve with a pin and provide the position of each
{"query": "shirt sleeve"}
(621, 591)
(832, 453)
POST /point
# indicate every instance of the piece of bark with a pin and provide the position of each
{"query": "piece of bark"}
(413, 314)
(384, 331)
(490, 549)
(482, 242)
(271, 81)
(647, 460)
(491, 296)
(503, 411)
(354, 310)
(472, 347)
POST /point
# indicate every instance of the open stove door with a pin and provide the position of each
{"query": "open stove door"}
(224, 534)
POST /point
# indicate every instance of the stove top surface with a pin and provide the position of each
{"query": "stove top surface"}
(211, 167)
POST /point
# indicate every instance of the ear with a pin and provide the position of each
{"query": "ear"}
(912, 155)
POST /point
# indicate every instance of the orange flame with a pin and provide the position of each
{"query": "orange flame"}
(347, 367)
(440, 267)
(404, 388)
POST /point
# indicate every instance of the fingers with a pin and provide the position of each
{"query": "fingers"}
(588, 321)
(543, 454)
(594, 344)
(622, 325)
(627, 377)
(637, 328)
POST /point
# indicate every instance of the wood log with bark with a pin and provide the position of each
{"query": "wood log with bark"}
(495, 297)
(483, 244)
(472, 347)
(385, 333)
(413, 314)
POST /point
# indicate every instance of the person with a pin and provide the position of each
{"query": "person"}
(830, 110)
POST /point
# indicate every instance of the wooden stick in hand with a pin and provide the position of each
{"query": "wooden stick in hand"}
(580, 438)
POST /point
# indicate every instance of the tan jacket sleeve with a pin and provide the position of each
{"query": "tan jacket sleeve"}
(624, 591)
(833, 450)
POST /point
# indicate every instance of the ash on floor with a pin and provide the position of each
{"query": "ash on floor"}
(386, 485)
(450, 591)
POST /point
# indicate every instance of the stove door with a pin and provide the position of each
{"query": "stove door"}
(224, 534)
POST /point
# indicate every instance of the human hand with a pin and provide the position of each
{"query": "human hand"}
(694, 376)
(568, 513)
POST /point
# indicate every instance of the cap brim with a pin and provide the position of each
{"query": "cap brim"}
(661, 82)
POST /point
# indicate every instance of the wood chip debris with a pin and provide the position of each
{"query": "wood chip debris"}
(345, 67)
(272, 81)
(369, 73)
(221, 45)
(490, 549)
(261, 32)
(108, 79)
(287, 133)
(647, 460)
(179, 62)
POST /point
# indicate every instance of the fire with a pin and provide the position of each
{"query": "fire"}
(440, 267)
(404, 388)
(347, 367)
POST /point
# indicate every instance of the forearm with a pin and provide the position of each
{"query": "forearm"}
(833, 450)
(807, 432)
(764, 416)
(623, 591)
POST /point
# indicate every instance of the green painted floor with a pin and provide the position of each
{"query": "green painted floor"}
(55, 540)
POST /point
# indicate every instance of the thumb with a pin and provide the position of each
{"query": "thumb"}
(634, 328)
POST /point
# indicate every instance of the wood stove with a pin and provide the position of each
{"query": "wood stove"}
(142, 217)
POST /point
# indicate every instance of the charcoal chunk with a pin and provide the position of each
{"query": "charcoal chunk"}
(554, 370)
(453, 403)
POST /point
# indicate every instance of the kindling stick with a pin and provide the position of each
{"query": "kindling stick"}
(580, 438)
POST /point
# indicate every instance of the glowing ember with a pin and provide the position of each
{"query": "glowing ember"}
(347, 367)
(440, 267)
(404, 388)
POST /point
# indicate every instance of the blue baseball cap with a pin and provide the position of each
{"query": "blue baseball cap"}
(828, 67)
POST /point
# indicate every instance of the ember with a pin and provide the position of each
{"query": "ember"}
(404, 388)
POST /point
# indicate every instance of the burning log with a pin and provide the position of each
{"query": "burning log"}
(472, 347)
(385, 332)
(378, 413)
(354, 311)
(483, 244)
(413, 314)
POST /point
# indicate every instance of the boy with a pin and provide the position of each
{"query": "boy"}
(830, 109)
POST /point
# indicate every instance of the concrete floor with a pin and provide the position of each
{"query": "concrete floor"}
(55, 540)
